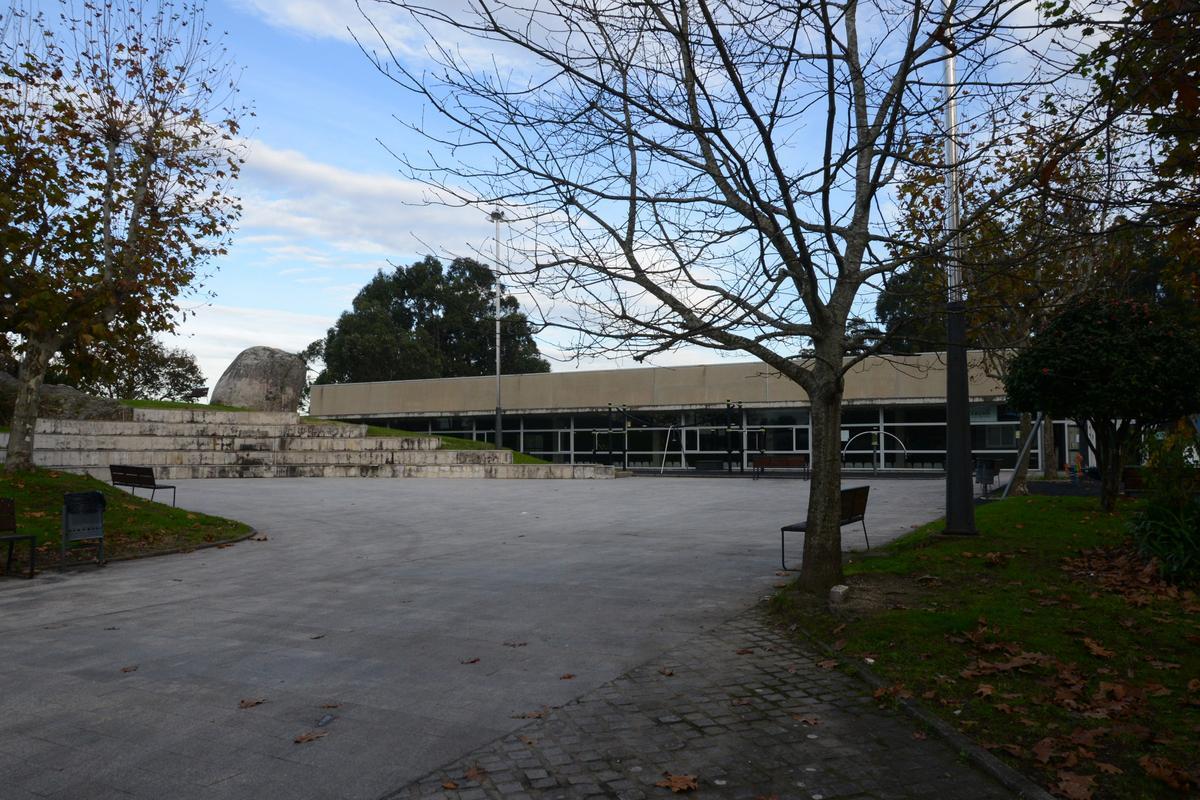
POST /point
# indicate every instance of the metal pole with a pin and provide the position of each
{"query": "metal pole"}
(498, 217)
(960, 496)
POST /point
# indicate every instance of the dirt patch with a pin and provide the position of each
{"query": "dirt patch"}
(872, 593)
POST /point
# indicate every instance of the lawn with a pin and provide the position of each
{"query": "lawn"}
(1045, 639)
(180, 404)
(448, 442)
(132, 525)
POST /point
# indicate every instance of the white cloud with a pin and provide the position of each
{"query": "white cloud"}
(298, 209)
(216, 334)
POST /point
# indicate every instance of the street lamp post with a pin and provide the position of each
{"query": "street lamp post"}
(497, 216)
(960, 500)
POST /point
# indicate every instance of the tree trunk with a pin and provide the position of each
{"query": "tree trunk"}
(822, 565)
(1108, 454)
(1021, 470)
(1049, 450)
(32, 372)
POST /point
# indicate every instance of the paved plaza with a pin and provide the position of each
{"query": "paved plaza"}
(412, 629)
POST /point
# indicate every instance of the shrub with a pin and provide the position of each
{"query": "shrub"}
(1168, 525)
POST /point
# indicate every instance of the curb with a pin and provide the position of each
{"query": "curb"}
(138, 556)
(1008, 777)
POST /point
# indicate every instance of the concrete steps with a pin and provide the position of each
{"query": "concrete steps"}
(200, 443)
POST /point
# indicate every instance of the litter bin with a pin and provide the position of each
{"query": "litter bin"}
(985, 473)
(82, 520)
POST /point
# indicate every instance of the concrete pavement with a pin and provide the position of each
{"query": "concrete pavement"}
(410, 622)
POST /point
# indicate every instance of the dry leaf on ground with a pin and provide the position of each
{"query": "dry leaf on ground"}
(476, 774)
(1074, 786)
(130, 668)
(828, 663)
(666, 671)
(252, 702)
(449, 784)
(745, 651)
(469, 661)
(310, 736)
(1097, 649)
(567, 676)
(678, 783)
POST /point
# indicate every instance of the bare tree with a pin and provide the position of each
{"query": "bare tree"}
(717, 173)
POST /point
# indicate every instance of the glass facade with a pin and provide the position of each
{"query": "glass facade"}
(874, 437)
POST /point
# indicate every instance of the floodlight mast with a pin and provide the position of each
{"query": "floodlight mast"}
(497, 216)
(960, 500)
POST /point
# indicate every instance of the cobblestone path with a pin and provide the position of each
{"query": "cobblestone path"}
(743, 708)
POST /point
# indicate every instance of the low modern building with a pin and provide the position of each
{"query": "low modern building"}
(709, 416)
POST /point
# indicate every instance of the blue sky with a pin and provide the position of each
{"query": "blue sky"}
(325, 205)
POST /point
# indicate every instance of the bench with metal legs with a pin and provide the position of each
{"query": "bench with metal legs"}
(854, 509)
(8, 533)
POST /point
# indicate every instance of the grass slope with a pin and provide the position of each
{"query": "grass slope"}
(172, 404)
(1044, 638)
(448, 442)
(132, 525)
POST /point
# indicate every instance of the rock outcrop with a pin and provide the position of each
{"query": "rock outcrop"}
(262, 379)
(61, 402)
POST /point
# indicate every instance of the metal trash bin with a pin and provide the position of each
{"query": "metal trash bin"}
(985, 473)
(83, 520)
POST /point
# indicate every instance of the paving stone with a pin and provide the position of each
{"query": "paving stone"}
(859, 750)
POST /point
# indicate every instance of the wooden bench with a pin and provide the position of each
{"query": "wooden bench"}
(762, 462)
(8, 533)
(138, 478)
(854, 509)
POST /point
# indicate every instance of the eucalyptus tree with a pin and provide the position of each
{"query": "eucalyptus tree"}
(721, 174)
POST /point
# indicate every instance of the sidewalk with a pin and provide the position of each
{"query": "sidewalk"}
(744, 709)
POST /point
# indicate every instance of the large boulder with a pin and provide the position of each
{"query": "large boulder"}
(262, 379)
(62, 402)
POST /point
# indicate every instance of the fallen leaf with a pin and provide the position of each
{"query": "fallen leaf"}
(839, 629)
(1109, 769)
(525, 740)
(1074, 786)
(828, 663)
(1163, 769)
(985, 690)
(745, 651)
(476, 774)
(470, 661)
(317, 636)
(130, 668)
(666, 671)
(1096, 649)
(1194, 685)
(252, 702)
(810, 721)
(531, 714)
(311, 736)
(1044, 749)
(920, 736)
(566, 676)
(331, 705)
(449, 784)
(740, 701)
(678, 783)
(839, 644)
(515, 644)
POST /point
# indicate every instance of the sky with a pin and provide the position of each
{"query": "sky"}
(324, 203)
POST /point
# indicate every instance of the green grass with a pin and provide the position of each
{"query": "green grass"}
(132, 525)
(180, 404)
(448, 442)
(936, 615)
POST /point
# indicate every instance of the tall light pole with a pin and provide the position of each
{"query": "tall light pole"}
(960, 500)
(497, 216)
